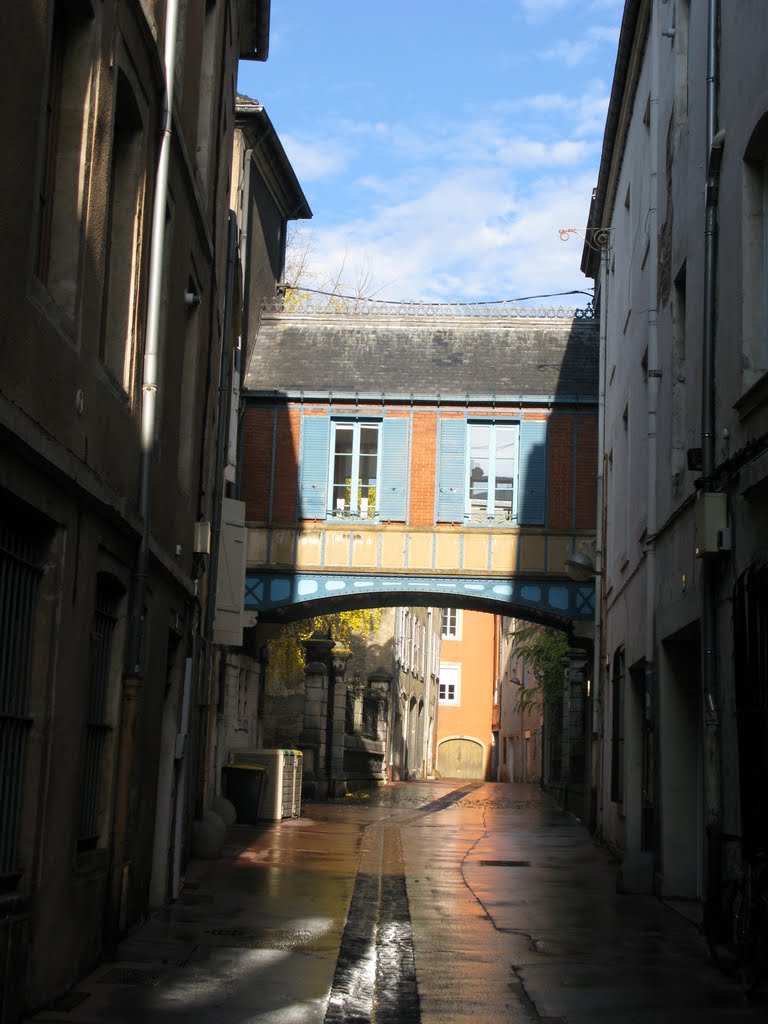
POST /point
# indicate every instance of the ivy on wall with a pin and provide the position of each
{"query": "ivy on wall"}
(543, 648)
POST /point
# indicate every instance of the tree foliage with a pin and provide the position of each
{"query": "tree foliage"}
(543, 649)
(301, 280)
(286, 653)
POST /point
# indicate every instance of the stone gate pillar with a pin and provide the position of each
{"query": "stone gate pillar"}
(338, 696)
(315, 733)
(574, 666)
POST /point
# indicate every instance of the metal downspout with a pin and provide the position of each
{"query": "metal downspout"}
(425, 729)
(153, 344)
(709, 652)
(132, 683)
(245, 225)
(653, 377)
(597, 673)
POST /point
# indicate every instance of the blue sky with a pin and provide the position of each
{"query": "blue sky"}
(441, 144)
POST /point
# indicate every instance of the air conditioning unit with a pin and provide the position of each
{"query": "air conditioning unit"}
(281, 796)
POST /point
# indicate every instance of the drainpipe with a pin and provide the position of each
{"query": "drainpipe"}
(596, 766)
(152, 345)
(712, 782)
(132, 683)
(245, 224)
(428, 668)
(653, 376)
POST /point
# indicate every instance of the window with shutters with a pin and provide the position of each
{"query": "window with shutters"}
(353, 468)
(124, 237)
(492, 472)
(98, 725)
(65, 128)
(21, 569)
(754, 360)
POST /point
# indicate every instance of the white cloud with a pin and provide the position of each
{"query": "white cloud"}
(573, 51)
(468, 235)
(581, 114)
(616, 6)
(467, 210)
(315, 159)
(539, 10)
(530, 153)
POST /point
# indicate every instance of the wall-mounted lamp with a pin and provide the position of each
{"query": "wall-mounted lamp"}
(580, 567)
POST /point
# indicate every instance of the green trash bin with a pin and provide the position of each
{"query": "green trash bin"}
(244, 788)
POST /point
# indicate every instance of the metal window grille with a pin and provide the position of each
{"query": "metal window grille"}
(20, 573)
(97, 726)
(750, 619)
(349, 715)
(370, 718)
(617, 739)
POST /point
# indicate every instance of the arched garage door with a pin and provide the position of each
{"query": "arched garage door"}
(461, 759)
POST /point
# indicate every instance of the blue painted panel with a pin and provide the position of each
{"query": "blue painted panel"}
(532, 491)
(266, 592)
(394, 467)
(451, 466)
(559, 598)
(315, 434)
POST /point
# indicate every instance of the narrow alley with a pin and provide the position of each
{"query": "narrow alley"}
(434, 902)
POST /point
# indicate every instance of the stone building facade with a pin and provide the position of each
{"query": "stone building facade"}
(362, 716)
(677, 246)
(118, 313)
(520, 720)
(469, 669)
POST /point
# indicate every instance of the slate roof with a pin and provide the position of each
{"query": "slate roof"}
(344, 355)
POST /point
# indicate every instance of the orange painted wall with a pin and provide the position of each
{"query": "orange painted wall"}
(476, 652)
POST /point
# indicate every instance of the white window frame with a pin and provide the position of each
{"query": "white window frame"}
(490, 510)
(451, 632)
(449, 690)
(407, 640)
(353, 512)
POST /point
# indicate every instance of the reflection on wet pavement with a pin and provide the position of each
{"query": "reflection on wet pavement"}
(425, 903)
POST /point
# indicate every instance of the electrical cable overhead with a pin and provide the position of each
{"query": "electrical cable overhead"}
(418, 302)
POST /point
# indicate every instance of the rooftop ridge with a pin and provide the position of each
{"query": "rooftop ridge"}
(328, 305)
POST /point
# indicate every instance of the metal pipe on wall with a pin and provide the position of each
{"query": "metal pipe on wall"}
(653, 377)
(709, 647)
(132, 683)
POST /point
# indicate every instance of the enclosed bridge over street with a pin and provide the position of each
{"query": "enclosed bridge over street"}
(433, 455)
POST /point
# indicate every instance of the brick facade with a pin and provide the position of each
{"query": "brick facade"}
(423, 449)
(272, 447)
(285, 476)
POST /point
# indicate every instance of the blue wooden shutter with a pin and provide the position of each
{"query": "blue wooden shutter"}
(451, 471)
(532, 486)
(314, 467)
(394, 465)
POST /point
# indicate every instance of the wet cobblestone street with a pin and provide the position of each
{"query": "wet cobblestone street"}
(437, 902)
